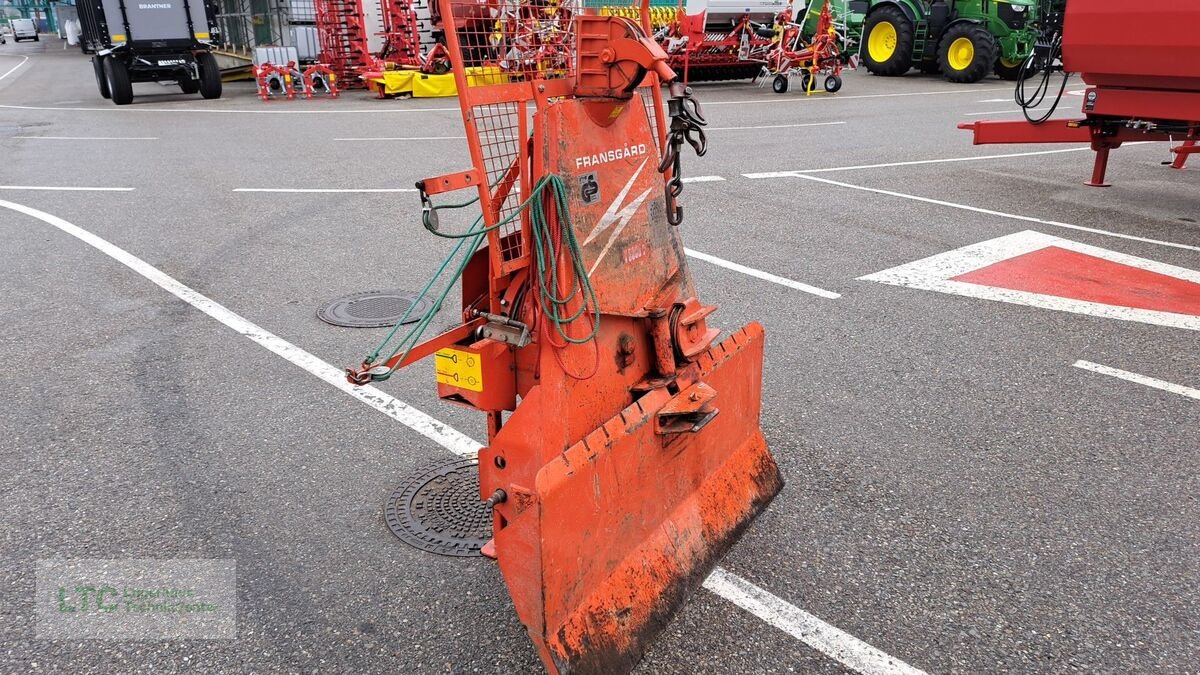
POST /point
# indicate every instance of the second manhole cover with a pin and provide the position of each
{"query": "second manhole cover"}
(373, 309)
(440, 511)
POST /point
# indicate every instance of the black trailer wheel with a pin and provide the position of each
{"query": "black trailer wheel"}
(780, 84)
(210, 75)
(888, 41)
(101, 78)
(189, 86)
(120, 87)
(967, 53)
(833, 83)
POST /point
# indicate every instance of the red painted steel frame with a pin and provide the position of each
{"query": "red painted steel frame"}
(625, 454)
(1143, 64)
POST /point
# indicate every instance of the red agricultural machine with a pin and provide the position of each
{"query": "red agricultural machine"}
(792, 57)
(624, 454)
(1142, 65)
(729, 40)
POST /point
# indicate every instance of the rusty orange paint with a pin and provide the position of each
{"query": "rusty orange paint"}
(630, 463)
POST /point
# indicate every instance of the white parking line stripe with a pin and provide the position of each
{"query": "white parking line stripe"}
(10, 70)
(765, 276)
(798, 99)
(776, 126)
(833, 642)
(324, 190)
(916, 162)
(136, 108)
(703, 179)
(1139, 379)
(1017, 110)
(404, 138)
(66, 189)
(414, 419)
(1001, 214)
(829, 640)
(87, 138)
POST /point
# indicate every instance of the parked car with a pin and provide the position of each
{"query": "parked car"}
(24, 29)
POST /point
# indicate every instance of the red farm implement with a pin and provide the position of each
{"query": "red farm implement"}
(1142, 65)
(624, 453)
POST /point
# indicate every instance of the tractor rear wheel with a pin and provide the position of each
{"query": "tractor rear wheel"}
(888, 38)
(967, 53)
(1011, 70)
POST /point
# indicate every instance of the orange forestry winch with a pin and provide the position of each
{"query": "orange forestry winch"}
(624, 452)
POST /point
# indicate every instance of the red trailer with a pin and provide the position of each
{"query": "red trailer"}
(1142, 65)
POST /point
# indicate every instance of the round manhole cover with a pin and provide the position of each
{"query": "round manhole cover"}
(373, 309)
(440, 511)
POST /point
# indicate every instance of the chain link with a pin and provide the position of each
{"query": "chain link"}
(687, 125)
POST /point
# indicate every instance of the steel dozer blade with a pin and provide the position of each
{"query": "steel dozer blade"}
(616, 533)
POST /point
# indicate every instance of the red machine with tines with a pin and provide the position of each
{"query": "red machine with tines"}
(1142, 64)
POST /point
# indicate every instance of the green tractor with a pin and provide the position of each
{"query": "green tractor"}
(965, 40)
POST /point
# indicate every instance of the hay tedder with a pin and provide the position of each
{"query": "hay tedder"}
(624, 454)
(790, 57)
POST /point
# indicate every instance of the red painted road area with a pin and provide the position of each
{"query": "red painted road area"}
(1078, 276)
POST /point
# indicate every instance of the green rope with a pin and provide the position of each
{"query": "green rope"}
(553, 307)
(547, 265)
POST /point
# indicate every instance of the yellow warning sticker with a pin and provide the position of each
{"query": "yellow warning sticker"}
(459, 369)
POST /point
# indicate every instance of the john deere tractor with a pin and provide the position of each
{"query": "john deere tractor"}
(965, 40)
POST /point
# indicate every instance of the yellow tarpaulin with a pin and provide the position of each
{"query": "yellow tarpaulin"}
(420, 85)
(433, 86)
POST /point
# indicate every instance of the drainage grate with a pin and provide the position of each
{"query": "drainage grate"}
(372, 309)
(440, 511)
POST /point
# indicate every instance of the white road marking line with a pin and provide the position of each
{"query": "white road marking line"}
(1070, 114)
(414, 419)
(765, 276)
(996, 100)
(798, 99)
(1002, 214)
(829, 640)
(403, 138)
(1139, 379)
(703, 179)
(937, 273)
(324, 190)
(135, 108)
(87, 138)
(916, 162)
(66, 189)
(776, 126)
(10, 70)
(821, 636)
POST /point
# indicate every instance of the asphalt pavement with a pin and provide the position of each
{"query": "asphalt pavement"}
(958, 496)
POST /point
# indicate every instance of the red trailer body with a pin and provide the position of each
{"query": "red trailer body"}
(1142, 65)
